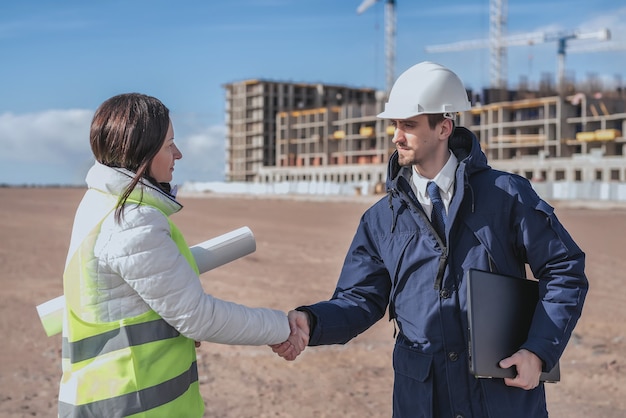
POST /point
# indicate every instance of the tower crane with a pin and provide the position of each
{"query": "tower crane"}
(532, 38)
(562, 40)
(390, 38)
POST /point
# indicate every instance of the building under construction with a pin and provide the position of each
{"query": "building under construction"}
(257, 140)
(323, 134)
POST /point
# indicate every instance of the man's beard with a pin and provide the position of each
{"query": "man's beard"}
(405, 160)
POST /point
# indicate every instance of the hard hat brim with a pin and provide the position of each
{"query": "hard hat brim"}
(389, 114)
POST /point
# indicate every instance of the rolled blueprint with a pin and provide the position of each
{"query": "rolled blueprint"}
(51, 315)
(209, 254)
(223, 249)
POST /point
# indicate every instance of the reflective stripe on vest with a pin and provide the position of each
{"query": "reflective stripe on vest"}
(125, 336)
(135, 402)
(138, 366)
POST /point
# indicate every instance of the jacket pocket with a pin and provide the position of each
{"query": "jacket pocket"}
(413, 383)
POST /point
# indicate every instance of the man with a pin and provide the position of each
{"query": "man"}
(488, 220)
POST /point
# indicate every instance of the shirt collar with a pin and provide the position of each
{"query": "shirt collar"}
(444, 179)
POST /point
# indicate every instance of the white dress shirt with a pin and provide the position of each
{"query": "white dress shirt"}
(445, 181)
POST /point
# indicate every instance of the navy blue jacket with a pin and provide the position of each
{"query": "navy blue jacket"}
(496, 222)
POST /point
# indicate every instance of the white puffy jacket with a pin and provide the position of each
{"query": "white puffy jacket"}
(139, 268)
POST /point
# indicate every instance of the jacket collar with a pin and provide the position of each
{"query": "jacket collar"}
(115, 180)
(463, 143)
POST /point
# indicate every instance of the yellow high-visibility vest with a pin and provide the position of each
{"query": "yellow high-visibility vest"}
(139, 366)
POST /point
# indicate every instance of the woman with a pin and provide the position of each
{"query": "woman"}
(134, 303)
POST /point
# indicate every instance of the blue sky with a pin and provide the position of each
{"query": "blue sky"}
(61, 59)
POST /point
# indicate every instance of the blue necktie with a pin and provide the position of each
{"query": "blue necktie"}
(438, 215)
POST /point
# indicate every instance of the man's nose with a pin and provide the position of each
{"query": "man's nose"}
(398, 135)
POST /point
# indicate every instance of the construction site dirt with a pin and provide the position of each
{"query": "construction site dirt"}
(301, 244)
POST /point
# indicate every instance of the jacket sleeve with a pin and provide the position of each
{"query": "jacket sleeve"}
(361, 296)
(143, 253)
(558, 263)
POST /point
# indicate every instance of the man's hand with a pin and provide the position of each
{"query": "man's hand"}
(528, 367)
(298, 339)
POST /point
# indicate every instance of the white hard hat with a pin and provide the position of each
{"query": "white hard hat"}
(426, 88)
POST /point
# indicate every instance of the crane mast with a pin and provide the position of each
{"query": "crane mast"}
(390, 44)
(390, 38)
(497, 50)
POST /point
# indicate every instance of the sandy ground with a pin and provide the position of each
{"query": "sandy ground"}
(300, 249)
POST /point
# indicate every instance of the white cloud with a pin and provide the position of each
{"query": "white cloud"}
(52, 147)
(48, 136)
(48, 147)
(613, 20)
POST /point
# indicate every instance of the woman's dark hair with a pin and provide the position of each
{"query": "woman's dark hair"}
(127, 131)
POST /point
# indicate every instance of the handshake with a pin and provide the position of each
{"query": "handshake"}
(298, 338)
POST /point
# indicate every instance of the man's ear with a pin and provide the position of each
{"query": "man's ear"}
(445, 128)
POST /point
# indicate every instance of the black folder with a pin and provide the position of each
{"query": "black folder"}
(500, 309)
